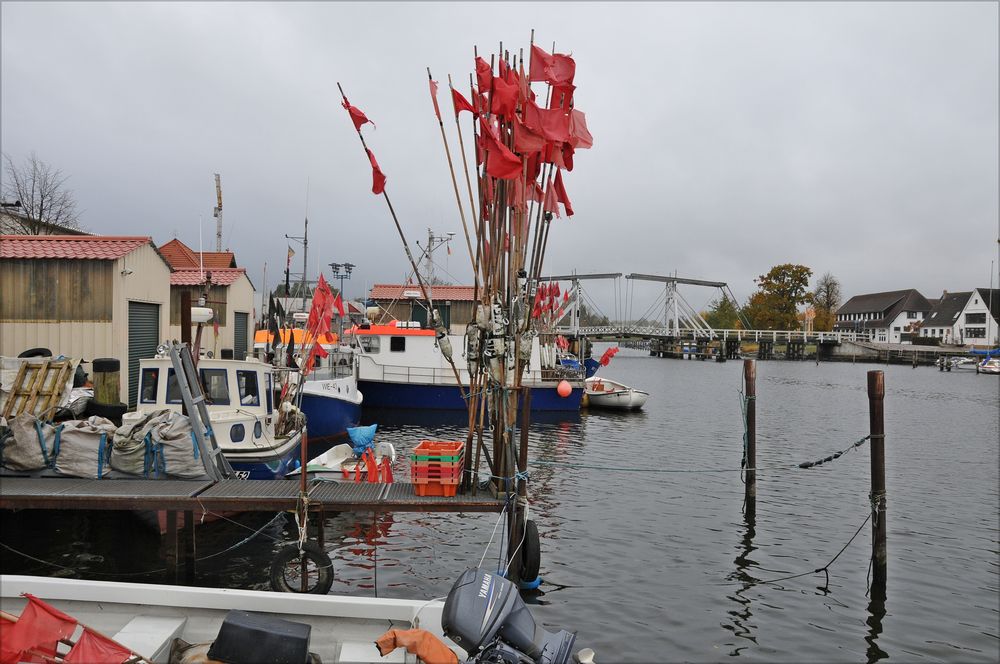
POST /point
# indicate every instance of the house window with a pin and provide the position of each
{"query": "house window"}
(975, 319)
(247, 382)
(911, 314)
(216, 384)
(896, 329)
(397, 344)
(150, 381)
(975, 333)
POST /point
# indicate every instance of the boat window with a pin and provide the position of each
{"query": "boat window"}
(173, 387)
(216, 383)
(369, 343)
(150, 381)
(397, 344)
(249, 394)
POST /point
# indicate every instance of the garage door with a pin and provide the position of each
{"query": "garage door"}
(143, 338)
(240, 342)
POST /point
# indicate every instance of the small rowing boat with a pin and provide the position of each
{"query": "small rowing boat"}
(605, 393)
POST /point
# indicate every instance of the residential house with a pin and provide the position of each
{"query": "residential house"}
(85, 297)
(889, 317)
(979, 321)
(454, 304)
(227, 291)
(941, 322)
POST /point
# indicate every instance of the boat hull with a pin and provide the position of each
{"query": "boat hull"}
(620, 400)
(266, 464)
(380, 394)
(328, 419)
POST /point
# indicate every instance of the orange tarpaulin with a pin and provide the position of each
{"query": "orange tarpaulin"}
(301, 337)
(429, 648)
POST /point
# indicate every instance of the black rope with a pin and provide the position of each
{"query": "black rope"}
(837, 455)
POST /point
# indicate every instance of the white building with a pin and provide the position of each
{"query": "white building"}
(978, 322)
(889, 317)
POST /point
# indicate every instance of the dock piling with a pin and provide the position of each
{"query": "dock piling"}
(876, 413)
(750, 395)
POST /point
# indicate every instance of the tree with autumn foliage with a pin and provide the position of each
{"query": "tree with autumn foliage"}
(779, 294)
(826, 300)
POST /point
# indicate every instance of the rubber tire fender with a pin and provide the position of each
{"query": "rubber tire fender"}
(531, 552)
(312, 552)
(36, 352)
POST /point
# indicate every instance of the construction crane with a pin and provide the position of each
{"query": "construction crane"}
(217, 213)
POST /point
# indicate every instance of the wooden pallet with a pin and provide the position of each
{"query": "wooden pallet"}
(38, 387)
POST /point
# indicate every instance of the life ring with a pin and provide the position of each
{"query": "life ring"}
(531, 552)
(286, 570)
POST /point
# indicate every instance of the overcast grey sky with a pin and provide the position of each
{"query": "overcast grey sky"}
(859, 139)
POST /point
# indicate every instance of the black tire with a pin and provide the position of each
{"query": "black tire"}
(286, 570)
(531, 552)
(36, 352)
(112, 412)
(106, 365)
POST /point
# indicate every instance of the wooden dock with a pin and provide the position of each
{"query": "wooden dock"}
(22, 493)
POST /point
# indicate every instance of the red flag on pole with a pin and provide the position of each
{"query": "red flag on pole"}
(557, 68)
(434, 97)
(561, 195)
(92, 647)
(501, 162)
(484, 75)
(339, 305)
(460, 103)
(40, 627)
(378, 177)
(526, 141)
(539, 61)
(554, 124)
(579, 135)
(551, 204)
(357, 117)
(504, 97)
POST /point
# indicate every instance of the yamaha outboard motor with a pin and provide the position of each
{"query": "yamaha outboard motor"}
(485, 615)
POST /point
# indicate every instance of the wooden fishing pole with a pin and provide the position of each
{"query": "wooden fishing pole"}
(451, 170)
(409, 255)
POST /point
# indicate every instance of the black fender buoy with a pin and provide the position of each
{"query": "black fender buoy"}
(286, 569)
(36, 352)
(531, 552)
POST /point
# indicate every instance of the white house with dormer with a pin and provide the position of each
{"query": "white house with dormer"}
(889, 317)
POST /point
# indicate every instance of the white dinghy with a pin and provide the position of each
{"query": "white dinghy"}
(605, 393)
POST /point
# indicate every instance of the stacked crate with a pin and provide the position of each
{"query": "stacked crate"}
(436, 467)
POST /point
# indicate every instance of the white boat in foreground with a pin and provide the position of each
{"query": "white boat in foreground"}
(990, 365)
(605, 393)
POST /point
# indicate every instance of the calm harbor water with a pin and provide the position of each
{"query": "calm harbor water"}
(661, 566)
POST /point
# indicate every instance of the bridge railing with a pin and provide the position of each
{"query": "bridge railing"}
(784, 336)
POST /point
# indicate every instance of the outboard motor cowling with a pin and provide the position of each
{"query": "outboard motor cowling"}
(485, 615)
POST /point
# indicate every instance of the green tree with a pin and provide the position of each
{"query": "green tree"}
(722, 314)
(826, 300)
(779, 293)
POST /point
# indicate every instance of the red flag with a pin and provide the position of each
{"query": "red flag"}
(536, 193)
(526, 141)
(504, 97)
(557, 292)
(579, 135)
(316, 351)
(608, 354)
(215, 325)
(40, 627)
(562, 96)
(339, 304)
(434, 97)
(557, 69)
(460, 103)
(357, 117)
(484, 75)
(554, 124)
(561, 194)
(92, 647)
(567, 156)
(540, 60)
(501, 162)
(551, 204)
(378, 177)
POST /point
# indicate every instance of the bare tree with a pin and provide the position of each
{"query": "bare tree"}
(826, 299)
(45, 200)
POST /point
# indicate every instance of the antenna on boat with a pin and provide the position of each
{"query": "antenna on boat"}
(217, 213)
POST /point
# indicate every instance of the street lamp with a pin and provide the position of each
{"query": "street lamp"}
(342, 271)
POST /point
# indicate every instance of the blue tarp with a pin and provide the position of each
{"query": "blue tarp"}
(362, 438)
(991, 353)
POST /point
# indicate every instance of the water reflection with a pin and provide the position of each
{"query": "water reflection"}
(876, 612)
(741, 615)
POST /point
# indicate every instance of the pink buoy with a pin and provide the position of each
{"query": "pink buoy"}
(564, 388)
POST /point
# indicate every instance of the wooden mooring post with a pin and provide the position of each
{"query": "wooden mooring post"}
(515, 551)
(876, 416)
(750, 395)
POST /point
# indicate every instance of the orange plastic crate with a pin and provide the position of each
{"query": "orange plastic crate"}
(448, 490)
(436, 450)
(433, 474)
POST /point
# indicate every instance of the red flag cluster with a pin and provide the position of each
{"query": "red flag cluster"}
(608, 354)
(36, 635)
(548, 306)
(320, 319)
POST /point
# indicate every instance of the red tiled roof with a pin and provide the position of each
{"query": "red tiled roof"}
(437, 292)
(178, 254)
(181, 256)
(83, 247)
(194, 277)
